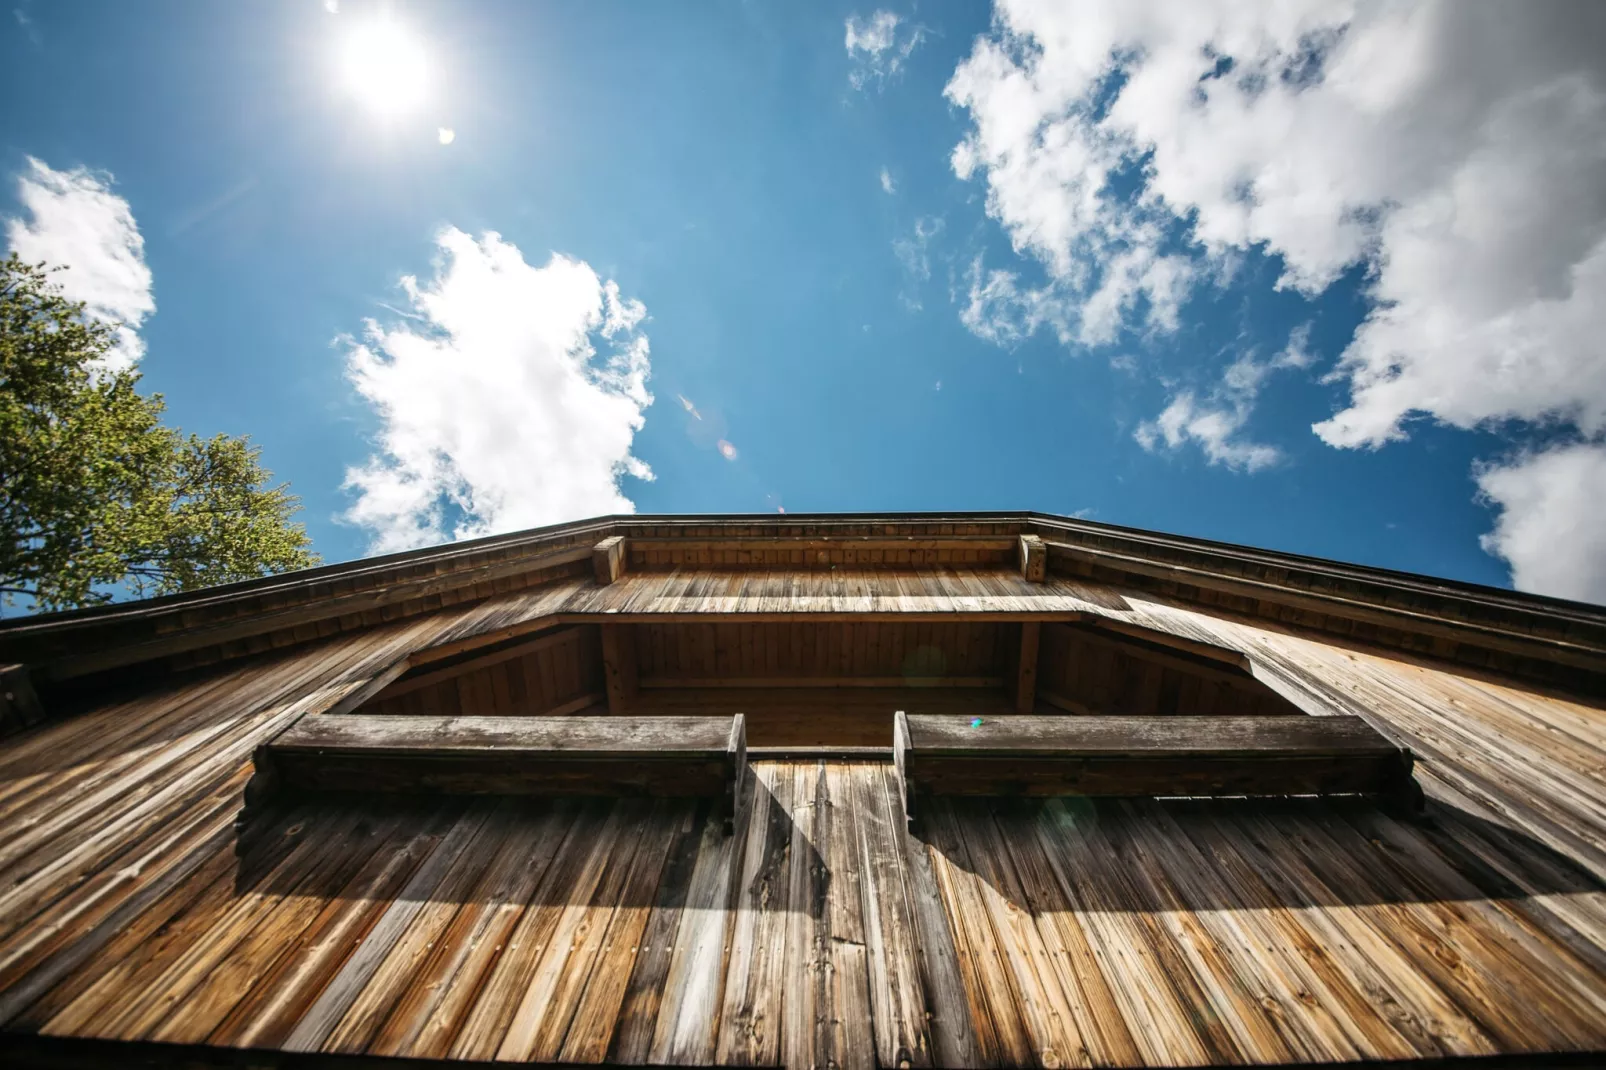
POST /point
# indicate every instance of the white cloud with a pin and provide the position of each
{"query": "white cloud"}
(1216, 423)
(879, 46)
(1134, 274)
(999, 310)
(1213, 427)
(1552, 524)
(914, 254)
(1457, 150)
(497, 412)
(887, 185)
(78, 223)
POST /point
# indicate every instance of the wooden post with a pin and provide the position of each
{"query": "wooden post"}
(736, 799)
(619, 666)
(900, 757)
(608, 558)
(1033, 559)
(1025, 688)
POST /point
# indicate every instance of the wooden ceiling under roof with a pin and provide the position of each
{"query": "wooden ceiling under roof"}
(833, 683)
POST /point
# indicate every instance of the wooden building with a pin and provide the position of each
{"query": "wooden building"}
(837, 791)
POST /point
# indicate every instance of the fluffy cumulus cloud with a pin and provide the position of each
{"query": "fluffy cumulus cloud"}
(879, 45)
(74, 221)
(1552, 525)
(1456, 150)
(508, 398)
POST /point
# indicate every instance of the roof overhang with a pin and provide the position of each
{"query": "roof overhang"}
(1541, 639)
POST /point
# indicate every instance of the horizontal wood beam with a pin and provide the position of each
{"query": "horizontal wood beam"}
(946, 754)
(673, 683)
(766, 543)
(571, 755)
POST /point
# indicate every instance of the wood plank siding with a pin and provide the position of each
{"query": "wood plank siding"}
(819, 932)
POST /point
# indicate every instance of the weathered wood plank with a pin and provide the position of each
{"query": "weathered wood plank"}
(596, 1018)
(314, 1028)
(666, 756)
(948, 1018)
(689, 1014)
(543, 1014)
(644, 992)
(806, 1011)
(852, 1043)
(1042, 756)
(1150, 736)
(1050, 1021)
(1099, 1023)
(1001, 1034)
(750, 1021)
(268, 1013)
(891, 936)
(500, 994)
(578, 736)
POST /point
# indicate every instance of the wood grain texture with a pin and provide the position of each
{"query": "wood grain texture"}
(1141, 932)
(608, 559)
(664, 756)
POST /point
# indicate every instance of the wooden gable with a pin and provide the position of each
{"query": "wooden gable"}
(1004, 931)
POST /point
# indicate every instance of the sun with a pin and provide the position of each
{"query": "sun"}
(384, 65)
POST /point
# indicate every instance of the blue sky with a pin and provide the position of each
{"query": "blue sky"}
(1111, 260)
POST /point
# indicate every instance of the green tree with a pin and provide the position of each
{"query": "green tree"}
(95, 493)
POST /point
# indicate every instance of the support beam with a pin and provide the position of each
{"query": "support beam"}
(1033, 559)
(947, 754)
(619, 670)
(608, 558)
(543, 756)
(520, 650)
(1025, 688)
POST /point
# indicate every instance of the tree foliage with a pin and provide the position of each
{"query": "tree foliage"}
(95, 493)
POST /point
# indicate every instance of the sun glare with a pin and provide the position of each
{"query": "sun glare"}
(384, 65)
